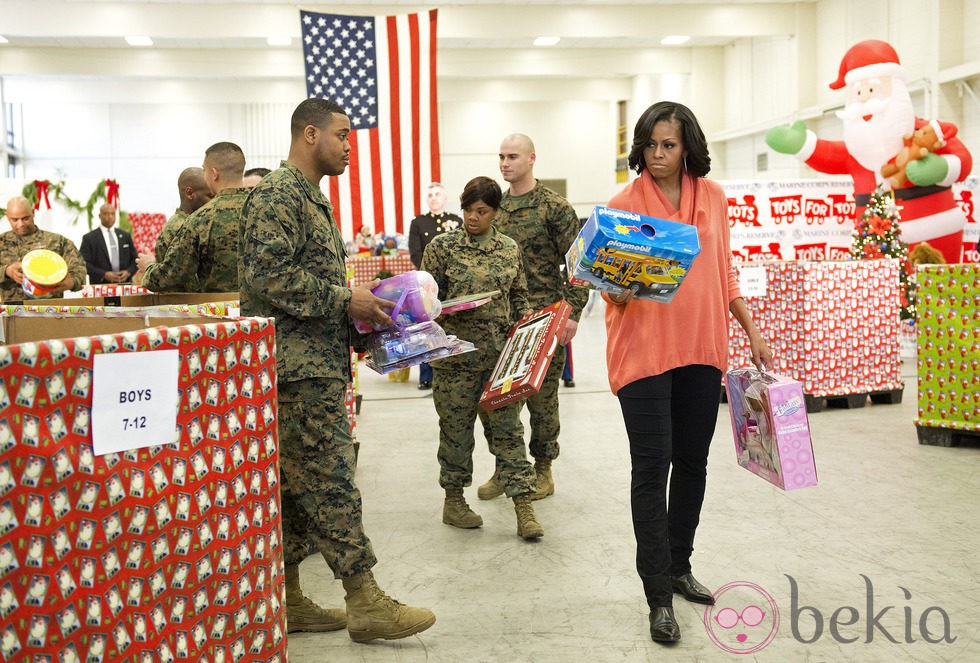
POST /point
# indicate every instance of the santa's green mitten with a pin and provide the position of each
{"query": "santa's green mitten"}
(787, 139)
(928, 170)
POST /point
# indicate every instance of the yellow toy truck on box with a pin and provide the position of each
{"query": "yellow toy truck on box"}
(617, 251)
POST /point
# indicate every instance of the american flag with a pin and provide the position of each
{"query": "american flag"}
(382, 70)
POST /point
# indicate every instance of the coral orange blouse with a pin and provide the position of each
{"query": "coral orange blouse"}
(647, 338)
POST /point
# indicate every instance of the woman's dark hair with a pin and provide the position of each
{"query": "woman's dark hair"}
(698, 162)
(481, 189)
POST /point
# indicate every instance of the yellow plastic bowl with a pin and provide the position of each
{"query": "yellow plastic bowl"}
(44, 267)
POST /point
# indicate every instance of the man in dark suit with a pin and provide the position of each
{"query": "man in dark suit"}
(110, 256)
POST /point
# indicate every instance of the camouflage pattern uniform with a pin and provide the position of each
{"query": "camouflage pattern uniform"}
(13, 247)
(166, 236)
(461, 266)
(292, 268)
(203, 254)
(544, 225)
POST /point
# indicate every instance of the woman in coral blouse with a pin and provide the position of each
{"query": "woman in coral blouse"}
(666, 361)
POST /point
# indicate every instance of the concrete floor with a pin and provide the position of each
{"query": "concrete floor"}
(867, 566)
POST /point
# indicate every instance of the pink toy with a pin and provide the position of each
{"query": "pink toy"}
(772, 432)
(416, 298)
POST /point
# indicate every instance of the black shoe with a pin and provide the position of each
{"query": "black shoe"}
(425, 385)
(663, 626)
(691, 589)
(569, 383)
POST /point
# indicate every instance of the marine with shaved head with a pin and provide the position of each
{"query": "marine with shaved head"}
(206, 247)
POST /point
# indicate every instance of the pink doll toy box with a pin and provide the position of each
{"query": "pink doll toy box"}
(772, 433)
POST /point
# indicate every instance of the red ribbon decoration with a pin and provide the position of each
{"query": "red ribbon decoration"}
(112, 193)
(42, 192)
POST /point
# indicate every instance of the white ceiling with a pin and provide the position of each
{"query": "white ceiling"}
(477, 38)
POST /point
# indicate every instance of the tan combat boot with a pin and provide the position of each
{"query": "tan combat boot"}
(302, 614)
(528, 526)
(372, 614)
(546, 485)
(491, 489)
(457, 512)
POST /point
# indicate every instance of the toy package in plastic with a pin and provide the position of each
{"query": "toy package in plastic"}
(416, 298)
(395, 348)
(772, 432)
(617, 251)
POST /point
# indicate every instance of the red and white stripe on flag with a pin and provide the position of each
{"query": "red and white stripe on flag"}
(382, 70)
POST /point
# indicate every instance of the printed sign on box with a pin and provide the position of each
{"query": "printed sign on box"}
(772, 433)
(618, 251)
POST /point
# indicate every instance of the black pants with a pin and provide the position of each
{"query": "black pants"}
(670, 419)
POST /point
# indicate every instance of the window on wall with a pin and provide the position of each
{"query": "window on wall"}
(622, 144)
(11, 156)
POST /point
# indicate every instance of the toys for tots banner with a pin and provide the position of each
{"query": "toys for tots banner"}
(813, 219)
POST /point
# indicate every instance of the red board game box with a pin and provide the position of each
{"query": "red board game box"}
(526, 356)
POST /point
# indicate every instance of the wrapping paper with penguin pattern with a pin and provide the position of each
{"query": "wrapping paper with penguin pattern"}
(160, 554)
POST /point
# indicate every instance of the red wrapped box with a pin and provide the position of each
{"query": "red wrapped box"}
(162, 553)
(526, 356)
(834, 325)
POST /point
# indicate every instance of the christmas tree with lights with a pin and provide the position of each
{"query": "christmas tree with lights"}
(876, 235)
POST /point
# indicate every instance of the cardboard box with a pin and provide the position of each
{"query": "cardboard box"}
(22, 324)
(617, 251)
(167, 552)
(772, 432)
(523, 362)
(149, 299)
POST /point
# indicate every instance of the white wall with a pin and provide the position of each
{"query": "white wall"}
(142, 132)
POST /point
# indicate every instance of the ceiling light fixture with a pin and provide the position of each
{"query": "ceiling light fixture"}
(546, 41)
(139, 40)
(279, 41)
(675, 40)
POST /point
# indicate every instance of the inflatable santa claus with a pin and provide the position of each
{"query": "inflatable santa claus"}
(879, 147)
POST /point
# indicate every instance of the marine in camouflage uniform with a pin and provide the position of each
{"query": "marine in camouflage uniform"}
(166, 236)
(544, 225)
(203, 255)
(292, 268)
(464, 265)
(13, 247)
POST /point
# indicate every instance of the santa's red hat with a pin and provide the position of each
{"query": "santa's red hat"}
(868, 59)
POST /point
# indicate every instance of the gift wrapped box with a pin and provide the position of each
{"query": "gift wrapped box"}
(832, 324)
(526, 355)
(948, 321)
(772, 433)
(617, 251)
(165, 552)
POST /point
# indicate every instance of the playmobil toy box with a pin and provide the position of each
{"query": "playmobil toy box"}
(527, 353)
(772, 433)
(618, 251)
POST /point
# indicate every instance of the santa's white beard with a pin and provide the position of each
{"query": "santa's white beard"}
(875, 141)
